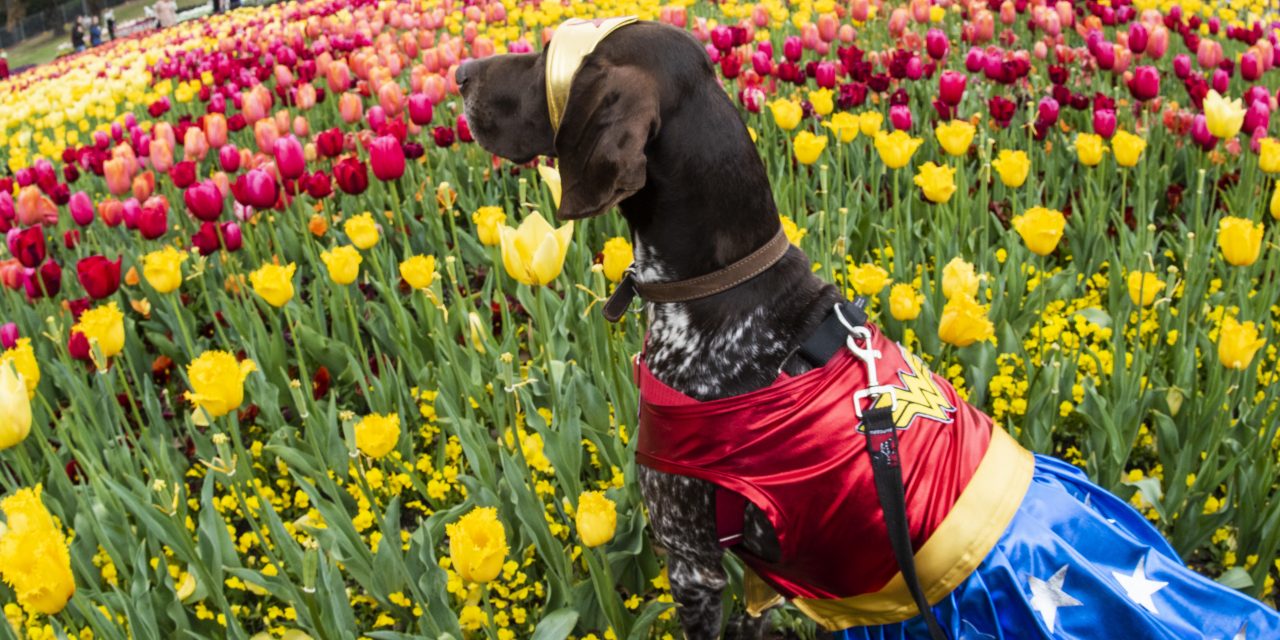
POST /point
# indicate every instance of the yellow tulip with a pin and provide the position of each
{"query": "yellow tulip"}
(217, 382)
(868, 279)
(343, 264)
(274, 283)
(904, 302)
(362, 231)
(163, 269)
(959, 279)
(551, 176)
(1089, 149)
(419, 271)
(1240, 240)
(596, 518)
(1237, 342)
(1223, 117)
(103, 326)
(1275, 202)
(869, 122)
(1269, 155)
(1013, 167)
(964, 322)
(937, 182)
(487, 221)
(377, 435)
(955, 136)
(1128, 148)
(534, 253)
(476, 326)
(1144, 287)
(808, 147)
(896, 148)
(617, 258)
(821, 101)
(844, 125)
(15, 406)
(793, 231)
(34, 559)
(786, 114)
(1041, 229)
(477, 545)
(23, 359)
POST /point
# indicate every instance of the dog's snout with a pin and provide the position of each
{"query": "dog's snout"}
(465, 73)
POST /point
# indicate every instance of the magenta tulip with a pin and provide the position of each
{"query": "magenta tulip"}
(900, 116)
(975, 60)
(420, 109)
(761, 63)
(1221, 81)
(229, 158)
(1047, 112)
(1104, 122)
(825, 75)
(290, 160)
(9, 335)
(386, 158)
(1257, 116)
(204, 200)
(81, 206)
(1145, 84)
(936, 44)
(792, 48)
(153, 218)
(1182, 66)
(1250, 68)
(1138, 37)
(255, 188)
(951, 85)
(1200, 133)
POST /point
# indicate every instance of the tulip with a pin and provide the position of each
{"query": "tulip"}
(964, 322)
(869, 122)
(1275, 202)
(274, 283)
(596, 519)
(386, 157)
(1182, 66)
(343, 264)
(477, 545)
(161, 155)
(99, 276)
(153, 218)
(350, 108)
(229, 158)
(895, 149)
(1250, 67)
(256, 188)
(144, 184)
(792, 48)
(1144, 287)
(844, 125)
(119, 179)
(215, 130)
(163, 269)
(183, 175)
(1200, 133)
(43, 282)
(959, 279)
(419, 271)
(1012, 167)
(868, 279)
(443, 137)
(103, 326)
(1257, 118)
(951, 86)
(81, 207)
(936, 44)
(808, 147)
(1223, 117)
(821, 101)
(1138, 37)
(1041, 229)
(936, 182)
(955, 136)
(331, 142)
(904, 302)
(900, 117)
(33, 208)
(362, 231)
(1237, 343)
(1047, 112)
(1145, 83)
(786, 114)
(27, 245)
(1128, 148)
(534, 253)
(1220, 80)
(825, 75)
(15, 406)
(34, 558)
(1240, 240)
(232, 239)
(377, 435)
(420, 109)
(204, 200)
(290, 161)
(9, 335)
(1104, 122)
(351, 176)
(488, 221)
(1089, 149)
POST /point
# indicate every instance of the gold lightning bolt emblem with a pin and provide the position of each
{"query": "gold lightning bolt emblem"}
(918, 394)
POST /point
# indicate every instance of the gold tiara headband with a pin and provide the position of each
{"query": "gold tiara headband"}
(573, 41)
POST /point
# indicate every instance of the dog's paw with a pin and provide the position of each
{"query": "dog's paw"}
(745, 627)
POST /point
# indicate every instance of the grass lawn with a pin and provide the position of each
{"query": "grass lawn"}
(45, 46)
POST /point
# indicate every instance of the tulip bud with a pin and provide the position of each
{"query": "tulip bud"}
(1138, 37)
(420, 109)
(232, 239)
(936, 44)
(1182, 66)
(975, 60)
(1145, 84)
(951, 86)
(229, 158)
(900, 117)
(1104, 122)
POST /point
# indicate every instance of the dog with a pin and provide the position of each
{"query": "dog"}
(647, 128)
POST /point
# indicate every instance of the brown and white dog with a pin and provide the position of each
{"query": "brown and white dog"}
(648, 128)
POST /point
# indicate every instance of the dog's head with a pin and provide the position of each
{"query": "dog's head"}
(615, 108)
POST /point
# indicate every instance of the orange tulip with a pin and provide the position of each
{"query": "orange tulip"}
(34, 208)
(144, 184)
(194, 144)
(164, 131)
(339, 76)
(116, 171)
(265, 133)
(215, 130)
(391, 97)
(350, 107)
(306, 96)
(161, 155)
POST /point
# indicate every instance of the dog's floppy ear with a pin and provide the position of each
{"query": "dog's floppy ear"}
(611, 116)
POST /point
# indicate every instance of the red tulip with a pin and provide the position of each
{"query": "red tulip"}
(1145, 83)
(443, 136)
(1182, 66)
(1250, 68)
(183, 174)
(206, 240)
(464, 129)
(936, 44)
(71, 239)
(27, 245)
(792, 48)
(78, 347)
(1104, 122)
(722, 38)
(99, 276)
(232, 239)
(153, 219)
(290, 160)
(420, 109)
(1138, 37)
(204, 200)
(9, 335)
(351, 176)
(318, 185)
(1047, 112)
(761, 63)
(753, 99)
(330, 143)
(1257, 116)
(386, 158)
(975, 60)
(229, 158)
(256, 188)
(45, 281)
(1220, 81)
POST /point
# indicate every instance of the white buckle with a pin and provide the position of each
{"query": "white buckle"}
(859, 336)
(874, 393)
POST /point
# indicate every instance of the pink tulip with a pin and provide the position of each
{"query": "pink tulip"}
(153, 218)
(290, 160)
(900, 117)
(1257, 116)
(761, 63)
(792, 48)
(825, 74)
(228, 159)
(203, 200)
(936, 43)
(1047, 112)
(1138, 37)
(420, 109)
(9, 335)
(386, 158)
(256, 189)
(1104, 122)
(975, 60)
(722, 38)
(1158, 43)
(1221, 80)
(1209, 54)
(1200, 133)
(951, 85)
(1250, 68)
(1182, 66)
(1145, 84)
(81, 207)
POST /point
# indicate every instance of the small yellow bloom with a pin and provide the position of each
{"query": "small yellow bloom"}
(896, 148)
(868, 279)
(551, 176)
(794, 233)
(959, 279)
(596, 518)
(534, 253)
(377, 435)
(821, 101)
(1269, 155)
(487, 221)
(1223, 117)
(362, 231)
(844, 125)
(809, 147)
(1089, 149)
(904, 302)
(955, 136)
(869, 122)
(103, 326)
(1013, 167)
(786, 114)
(477, 545)
(34, 559)
(1041, 229)
(419, 271)
(163, 269)
(23, 359)
(1128, 148)
(476, 325)
(274, 283)
(1144, 287)
(15, 406)
(1237, 342)
(937, 182)
(217, 382)
(617, 258)
(343, 264)
(964, 322)
(1240, 240)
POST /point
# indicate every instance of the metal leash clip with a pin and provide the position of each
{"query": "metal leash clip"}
(859, 336)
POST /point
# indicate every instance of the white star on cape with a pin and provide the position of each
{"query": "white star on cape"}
(1047, 596)
(1139, 588)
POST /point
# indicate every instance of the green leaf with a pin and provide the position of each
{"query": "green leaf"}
(557, 625)
(1236, 578)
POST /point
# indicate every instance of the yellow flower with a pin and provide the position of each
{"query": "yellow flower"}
(1269, 155)
(217, 382)
(343, 264)
(845, 126)
(869, 122)
(964, 322)
(1144, 287)
(362, 231)
(103, 326)
(1013, 167)
(476, 325)
(1240, 240)
(34, 560)
(617, 258)
(1089, 148)
(786, 113)
(959, 279)
(551, 176)
(419, 271)
(955, 136)
(868, 279)
(163, 269)
(821, 101)
(377, 435)
(24, 362)
(1223, 117)
(794, 233)
(1041, 229)
(472, 618)
(274, 283)
(1128, 148)
(896, 148)
(937, 182)
(534, 253)
(596, 519)
(1237, 342)
(15, 406)
(487, 221)
(809, 147)
(1275, 202)
(904, 302)
(477, 545)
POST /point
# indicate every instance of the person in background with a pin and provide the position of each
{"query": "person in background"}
(167, 13)
(77, 34)
(110, 18)
(95, 32)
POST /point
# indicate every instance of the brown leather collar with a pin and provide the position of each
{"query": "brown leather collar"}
(700, 287)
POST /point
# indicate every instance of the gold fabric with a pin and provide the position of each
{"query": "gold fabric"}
(573, 40)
